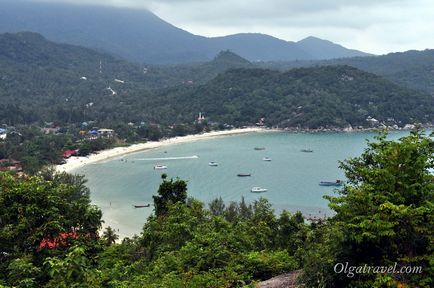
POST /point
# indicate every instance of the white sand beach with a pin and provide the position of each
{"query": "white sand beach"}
(77, 162)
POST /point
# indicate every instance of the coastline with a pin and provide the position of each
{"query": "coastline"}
(76, 162)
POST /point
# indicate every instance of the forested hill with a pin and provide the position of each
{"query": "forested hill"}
(413, 69)
(45, 81)
(333, 96)
(41, 80)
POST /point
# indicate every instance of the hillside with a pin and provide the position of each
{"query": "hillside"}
(45, 81)
(140, 36)
(334, 96)
(412, 69)
(41, 80)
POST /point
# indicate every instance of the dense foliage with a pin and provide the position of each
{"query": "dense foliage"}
(41, 218)
(335, 96)
(412, 69)
(384, 217)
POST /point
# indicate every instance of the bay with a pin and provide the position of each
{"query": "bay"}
(291, 177)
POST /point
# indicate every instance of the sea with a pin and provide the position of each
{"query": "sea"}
(291, 177)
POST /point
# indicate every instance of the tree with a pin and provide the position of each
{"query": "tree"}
(40, 217)
(385, 214)
(74, 270)
(110, 236)
(217, 206)
(170, 192)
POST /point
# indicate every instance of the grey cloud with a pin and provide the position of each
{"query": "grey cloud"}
(374, 25)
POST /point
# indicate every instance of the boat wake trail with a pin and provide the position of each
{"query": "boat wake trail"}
(168, 158)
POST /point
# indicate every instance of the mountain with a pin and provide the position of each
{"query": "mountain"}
(324, 49)
(411, 69)
(46, 81)
(261, 47)
(140, 36)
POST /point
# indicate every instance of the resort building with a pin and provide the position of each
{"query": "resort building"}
(107, 133)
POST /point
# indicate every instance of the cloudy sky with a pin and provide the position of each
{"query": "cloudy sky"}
(375, 26)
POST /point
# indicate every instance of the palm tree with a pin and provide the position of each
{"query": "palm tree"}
(110, 236)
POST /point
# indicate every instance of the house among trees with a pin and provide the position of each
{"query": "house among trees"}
(3, 133)
(107, 133)
(201, 118)
(372, 121)
(260, 122)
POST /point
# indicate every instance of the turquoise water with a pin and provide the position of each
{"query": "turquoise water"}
(291, 177)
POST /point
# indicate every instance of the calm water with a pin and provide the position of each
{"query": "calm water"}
(291, 177)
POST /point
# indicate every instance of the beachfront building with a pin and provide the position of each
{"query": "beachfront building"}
(107, 133)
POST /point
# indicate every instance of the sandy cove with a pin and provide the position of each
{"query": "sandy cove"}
(77, 162)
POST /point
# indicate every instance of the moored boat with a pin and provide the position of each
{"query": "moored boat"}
(259, 148)
(331, 183)
(244, 175)
(306, 150)
(258, 190)
(142, 206)
(160, 167)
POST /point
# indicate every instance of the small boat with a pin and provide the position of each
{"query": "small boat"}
(306, 150)
(258, 190)
(142, 206)
(213, 164)
(259, 148)
(244, 175)
(160, 167)
(266, 159)
(331, 183)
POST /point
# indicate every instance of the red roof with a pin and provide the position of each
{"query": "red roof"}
(69, 153)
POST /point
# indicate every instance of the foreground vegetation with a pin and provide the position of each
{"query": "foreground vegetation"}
(384, 215)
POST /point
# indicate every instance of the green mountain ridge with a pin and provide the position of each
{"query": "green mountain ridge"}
(45, 81)
(412, 69)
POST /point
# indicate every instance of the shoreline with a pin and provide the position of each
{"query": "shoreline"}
(76, 162)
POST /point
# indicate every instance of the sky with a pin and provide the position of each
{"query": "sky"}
(374, 26)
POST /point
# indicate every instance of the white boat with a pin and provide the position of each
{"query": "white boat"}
(160, 167)
(266, 159)
(258, 190)
(214, 164)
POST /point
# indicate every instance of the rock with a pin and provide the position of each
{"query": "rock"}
(288, 280)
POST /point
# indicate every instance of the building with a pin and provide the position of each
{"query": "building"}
(69, 153)
(107, 133)
(201, 117)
